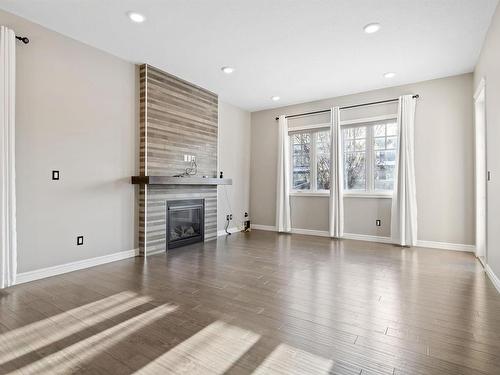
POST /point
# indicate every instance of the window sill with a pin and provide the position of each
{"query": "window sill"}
(345, 195)
(308, 194)
(368, 195)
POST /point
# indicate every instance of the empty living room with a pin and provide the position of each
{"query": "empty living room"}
(282, 187)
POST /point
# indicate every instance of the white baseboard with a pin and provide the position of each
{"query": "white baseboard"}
(324, 233)
(73, 266)
(271, 228)
(379, 239)
(446, 246)
(311, 232)
(367, 237)
(230, 230)
(494, 278)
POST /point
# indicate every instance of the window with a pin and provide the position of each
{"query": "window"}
(310, 160)
(369, 157)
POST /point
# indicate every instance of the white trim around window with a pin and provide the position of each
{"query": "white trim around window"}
(298, 193)
(369, 137)
(375, 194)
(311, 129)
(312, 132)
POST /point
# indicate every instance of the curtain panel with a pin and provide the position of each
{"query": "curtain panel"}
(8, 240)
(283, 220)
(336, 203)
(404, 200)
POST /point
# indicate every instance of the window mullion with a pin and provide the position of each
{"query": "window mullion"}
(370, 158)
(290, 172)
(312, 160)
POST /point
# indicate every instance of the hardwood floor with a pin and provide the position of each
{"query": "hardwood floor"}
(259, 303)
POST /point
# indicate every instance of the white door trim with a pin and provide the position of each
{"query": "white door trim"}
(480, 170)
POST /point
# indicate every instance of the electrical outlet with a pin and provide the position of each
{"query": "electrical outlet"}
(55, 175)
(227, 217)
(230, 216)
(378, 222)
(79, 240)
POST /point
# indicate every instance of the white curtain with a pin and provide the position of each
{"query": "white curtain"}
(283, 221)
(8, 242)
(336, 204)
(404, 200)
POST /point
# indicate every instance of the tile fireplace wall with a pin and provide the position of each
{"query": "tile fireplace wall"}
(177, 118)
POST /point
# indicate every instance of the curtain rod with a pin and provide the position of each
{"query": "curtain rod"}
(346, 107)
(23, 39)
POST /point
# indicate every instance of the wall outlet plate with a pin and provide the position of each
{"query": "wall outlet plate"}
(55, 175)
(79, 240)
(378, 222)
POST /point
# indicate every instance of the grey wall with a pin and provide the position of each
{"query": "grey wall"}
(234, 161)
(444, 164)
(488, 67)
(76, 112)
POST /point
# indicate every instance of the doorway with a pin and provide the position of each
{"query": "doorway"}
(481, 174)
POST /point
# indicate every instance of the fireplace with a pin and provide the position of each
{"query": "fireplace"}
(185, 222)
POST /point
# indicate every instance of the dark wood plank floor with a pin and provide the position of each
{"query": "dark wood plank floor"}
(259, 303)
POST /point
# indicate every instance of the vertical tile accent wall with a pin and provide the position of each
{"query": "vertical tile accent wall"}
(177, 118)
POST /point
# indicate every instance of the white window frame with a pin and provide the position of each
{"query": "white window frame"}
(369, 123)
(311, 130)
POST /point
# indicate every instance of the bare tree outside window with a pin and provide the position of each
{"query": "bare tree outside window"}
(323, 160)
(301, 161)
(355, 158)
(370, 156)
(310, 160)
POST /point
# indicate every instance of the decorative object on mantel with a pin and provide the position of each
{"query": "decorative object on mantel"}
(192, 170)
(169, 180)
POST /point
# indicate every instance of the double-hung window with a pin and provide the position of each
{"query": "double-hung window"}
(369, 151)
(310, 160)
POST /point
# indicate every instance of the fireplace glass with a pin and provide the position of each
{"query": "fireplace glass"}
(185, 222)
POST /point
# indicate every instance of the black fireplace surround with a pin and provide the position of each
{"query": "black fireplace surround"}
(185, 222)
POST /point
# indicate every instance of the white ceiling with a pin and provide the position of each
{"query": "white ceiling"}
(301, 50)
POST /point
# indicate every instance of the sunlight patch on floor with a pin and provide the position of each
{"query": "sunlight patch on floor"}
(36, 335)
(82, 352)
(213, 350)
(287, 360)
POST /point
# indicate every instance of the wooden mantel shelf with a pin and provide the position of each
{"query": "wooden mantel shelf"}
(168, 180)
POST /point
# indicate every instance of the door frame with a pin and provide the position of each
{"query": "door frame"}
(480, 170)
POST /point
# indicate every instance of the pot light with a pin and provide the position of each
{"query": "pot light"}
(275, 98)
(389, 75)
(136, 17)
(371, 28)
(227, 69)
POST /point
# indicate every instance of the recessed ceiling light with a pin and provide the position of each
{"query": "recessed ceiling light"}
(371, 28)
(275, 98)
(136, 17)
(389, 75)
(227, 69)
